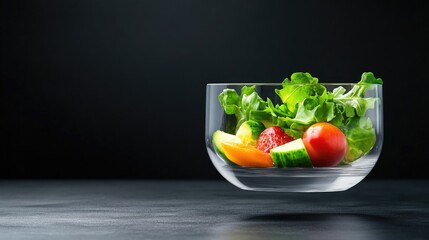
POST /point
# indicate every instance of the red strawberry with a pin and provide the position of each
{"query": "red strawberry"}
(272, 137)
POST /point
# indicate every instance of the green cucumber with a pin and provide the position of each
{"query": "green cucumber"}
(249, 131)
(291, 154)
(221, 137)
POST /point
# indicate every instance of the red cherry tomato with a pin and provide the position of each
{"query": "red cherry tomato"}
(325, 143)
(272, 137)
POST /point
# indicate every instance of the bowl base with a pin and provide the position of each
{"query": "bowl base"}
(291, 180)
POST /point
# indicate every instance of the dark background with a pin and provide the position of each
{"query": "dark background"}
(116, 89)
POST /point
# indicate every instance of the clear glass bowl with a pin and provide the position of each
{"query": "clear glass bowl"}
(314, 179)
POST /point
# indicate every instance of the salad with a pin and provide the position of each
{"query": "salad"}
(311, 127)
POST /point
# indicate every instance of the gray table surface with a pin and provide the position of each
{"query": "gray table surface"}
(164, 209)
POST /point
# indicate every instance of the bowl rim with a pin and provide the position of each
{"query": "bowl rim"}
(280, 84)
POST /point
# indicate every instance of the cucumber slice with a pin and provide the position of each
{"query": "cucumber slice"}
(291, 154)
(249, 131)
(220, 137)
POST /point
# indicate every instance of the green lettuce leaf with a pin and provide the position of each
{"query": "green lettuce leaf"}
(299, 87)
(241, 106)
(354, 101)
(360, 137)
(366, 83)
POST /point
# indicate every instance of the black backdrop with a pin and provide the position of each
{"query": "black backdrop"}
(116, 89)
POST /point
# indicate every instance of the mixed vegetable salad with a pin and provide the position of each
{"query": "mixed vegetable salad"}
(312, 127)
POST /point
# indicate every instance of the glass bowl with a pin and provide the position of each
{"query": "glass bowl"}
(292, 179)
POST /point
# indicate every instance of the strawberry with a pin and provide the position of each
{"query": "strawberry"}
(272, 137)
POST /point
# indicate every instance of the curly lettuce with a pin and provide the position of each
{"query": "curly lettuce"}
(305, 101)
(241, 106)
